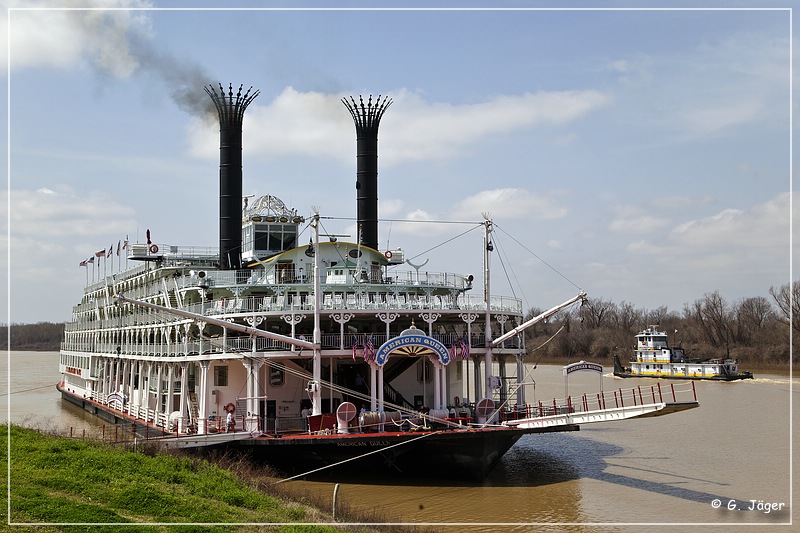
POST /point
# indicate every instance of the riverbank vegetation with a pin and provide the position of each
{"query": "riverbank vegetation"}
(57, 480)
(755, 331)
(41, 337)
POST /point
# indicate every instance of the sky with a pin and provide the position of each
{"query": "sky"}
(641, 155)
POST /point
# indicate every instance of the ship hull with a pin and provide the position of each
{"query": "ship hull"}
(452, 454)
(468, 453)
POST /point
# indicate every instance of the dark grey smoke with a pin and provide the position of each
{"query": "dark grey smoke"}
(118, 46)
(184, 80)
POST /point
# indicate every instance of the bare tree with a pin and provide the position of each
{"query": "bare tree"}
(657, 316)
(712, 315)
(788, 300)
(752, 316)
(625, 317)
(595, 311)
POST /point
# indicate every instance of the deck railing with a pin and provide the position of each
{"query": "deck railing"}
(149, 423)
(245, 344)
(618, 398)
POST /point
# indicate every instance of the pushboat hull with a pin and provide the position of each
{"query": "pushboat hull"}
(620, 372)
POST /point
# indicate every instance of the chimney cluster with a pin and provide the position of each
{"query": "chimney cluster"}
(230, 108)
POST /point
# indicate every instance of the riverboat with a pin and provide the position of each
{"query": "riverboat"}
(318, 355)
(655, 359)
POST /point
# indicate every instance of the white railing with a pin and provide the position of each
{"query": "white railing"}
(603, 400)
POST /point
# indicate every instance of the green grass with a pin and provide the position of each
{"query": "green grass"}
(57, 481)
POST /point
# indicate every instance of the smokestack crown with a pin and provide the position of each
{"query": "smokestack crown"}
(367, 118)
(230, 109)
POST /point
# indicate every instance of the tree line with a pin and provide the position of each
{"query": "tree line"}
(755, 330)
(42, 337)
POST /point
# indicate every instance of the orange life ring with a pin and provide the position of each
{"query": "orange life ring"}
(387, 254)
(153, 249)
(230, 408)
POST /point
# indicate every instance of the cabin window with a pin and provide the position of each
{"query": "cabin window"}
(277, 375)
(221, 376)
(273, 237)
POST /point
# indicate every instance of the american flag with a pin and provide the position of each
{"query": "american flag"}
(464, 348)
(101, 253)
(355, 347)
(83, 263)
(369, 350)
(90, 260)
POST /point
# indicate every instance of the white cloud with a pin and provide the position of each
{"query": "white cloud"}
(757, 236)
(45, 213)
(637, 225)
(316, 124)
(509, 203)
(711, 89)
(764, 225)
(46, 36)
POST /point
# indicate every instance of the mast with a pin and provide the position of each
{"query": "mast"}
(316, 392)
(487, 249)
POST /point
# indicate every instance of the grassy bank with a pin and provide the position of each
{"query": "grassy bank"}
(56, 480)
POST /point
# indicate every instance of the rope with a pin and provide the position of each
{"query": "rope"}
(26, 390)
(357, 457)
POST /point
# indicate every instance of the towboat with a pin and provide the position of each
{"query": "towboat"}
(330, 354)
(655, 359)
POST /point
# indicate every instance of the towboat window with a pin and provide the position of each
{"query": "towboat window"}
(221, 376)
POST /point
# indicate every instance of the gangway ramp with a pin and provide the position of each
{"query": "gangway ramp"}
(607, 406)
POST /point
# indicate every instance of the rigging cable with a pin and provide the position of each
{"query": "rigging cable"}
(447, 241)
(358, 457)
(548, 265)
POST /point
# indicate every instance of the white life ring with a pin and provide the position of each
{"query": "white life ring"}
(387, 254)
(153, 249)
(230, 408)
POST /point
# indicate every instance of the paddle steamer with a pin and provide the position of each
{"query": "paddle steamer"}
(312, 355)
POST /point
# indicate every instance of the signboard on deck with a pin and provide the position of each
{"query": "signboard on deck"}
(583, 366)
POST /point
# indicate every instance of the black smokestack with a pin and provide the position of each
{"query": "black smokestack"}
(230, 108)
(367, 118)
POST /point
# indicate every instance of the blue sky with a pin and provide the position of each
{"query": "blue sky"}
(641, 155)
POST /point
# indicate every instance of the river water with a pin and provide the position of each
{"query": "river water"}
(663, 473)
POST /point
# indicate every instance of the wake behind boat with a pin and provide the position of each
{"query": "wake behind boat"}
(654, 358)
(317, 355)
